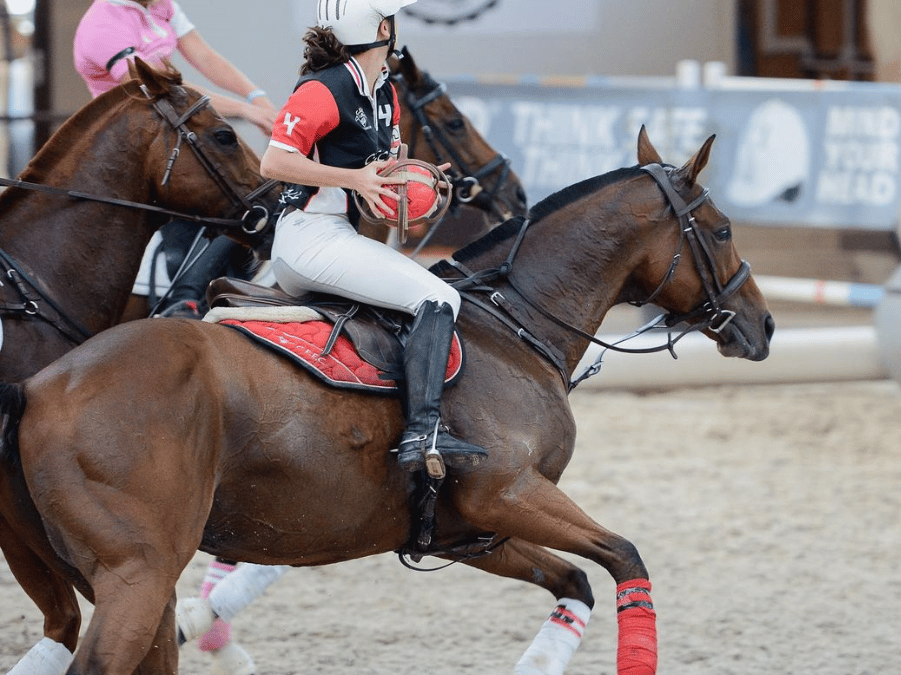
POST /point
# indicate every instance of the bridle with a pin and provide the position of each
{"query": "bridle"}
(35, 302)
(468, 188)
(709, 315)
(248, 223)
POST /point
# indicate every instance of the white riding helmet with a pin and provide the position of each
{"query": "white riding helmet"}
(355, 22)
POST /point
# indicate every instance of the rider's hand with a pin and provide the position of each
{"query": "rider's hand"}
(372, 186)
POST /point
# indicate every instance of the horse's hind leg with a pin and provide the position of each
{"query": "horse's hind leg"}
(561, 634)
(537, 511)
(133, 627)
(56, 599)
(162, 659)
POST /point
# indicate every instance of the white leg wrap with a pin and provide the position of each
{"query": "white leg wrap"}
(557, 640)
(232, 660)
(243, 586)
(194, 617)
(47, 657)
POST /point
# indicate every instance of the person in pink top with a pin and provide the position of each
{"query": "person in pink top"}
(112, 31)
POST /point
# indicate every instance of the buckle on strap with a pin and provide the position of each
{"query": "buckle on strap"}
(720, 320)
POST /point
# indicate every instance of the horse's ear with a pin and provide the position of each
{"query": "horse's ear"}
(150, 77)
(408, 68)
(647, 153)
(693, 167)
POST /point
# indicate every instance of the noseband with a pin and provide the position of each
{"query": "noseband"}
(467, 183)
(708, 315)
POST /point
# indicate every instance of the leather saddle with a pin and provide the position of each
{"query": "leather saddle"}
(378, 335)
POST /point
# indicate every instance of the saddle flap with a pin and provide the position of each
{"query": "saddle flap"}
(228, 292)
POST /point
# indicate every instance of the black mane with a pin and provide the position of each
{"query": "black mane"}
(542, 209)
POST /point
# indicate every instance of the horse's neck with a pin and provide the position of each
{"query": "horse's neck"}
(574, 278)
(85, 252)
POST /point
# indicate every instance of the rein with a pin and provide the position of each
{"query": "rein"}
(254, 220)
(75, 194)
(710, 314)
(212, 167)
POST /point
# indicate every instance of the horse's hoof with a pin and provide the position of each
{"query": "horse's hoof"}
(194, 617)
(232, 659)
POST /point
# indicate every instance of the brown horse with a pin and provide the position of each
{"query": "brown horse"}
(122, 464)
(69, 258)
(437, 132)
(77, 256)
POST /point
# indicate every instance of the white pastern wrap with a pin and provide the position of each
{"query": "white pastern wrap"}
(47, 657)
(557, 640)
(243, 586)
(232, 659)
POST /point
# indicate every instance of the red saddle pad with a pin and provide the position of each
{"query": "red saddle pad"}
(343, 367)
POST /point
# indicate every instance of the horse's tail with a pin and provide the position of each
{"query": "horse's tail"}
(12, 407)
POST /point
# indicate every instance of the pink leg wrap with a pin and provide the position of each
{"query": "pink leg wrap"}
(637, 651)
(219, 635)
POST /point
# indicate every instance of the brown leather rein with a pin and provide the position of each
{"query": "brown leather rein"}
(35, 302)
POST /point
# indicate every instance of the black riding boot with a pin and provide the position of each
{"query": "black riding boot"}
(188, 296)
(425, 442)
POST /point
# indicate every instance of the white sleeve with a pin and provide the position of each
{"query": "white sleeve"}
(180, 22)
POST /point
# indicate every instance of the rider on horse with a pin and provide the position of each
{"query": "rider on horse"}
(338, 134)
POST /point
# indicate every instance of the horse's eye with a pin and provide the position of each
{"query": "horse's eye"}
(723, 234)
(225, 136)
(456, 124)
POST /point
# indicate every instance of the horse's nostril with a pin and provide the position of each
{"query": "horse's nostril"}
(769, 325)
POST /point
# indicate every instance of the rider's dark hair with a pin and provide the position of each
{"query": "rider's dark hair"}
(322, 50)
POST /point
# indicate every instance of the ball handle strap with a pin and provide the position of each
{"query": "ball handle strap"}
(443, 188)
(403, 213)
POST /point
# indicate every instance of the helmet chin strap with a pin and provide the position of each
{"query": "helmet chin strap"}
(390, 42)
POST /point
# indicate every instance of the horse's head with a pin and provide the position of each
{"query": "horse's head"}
(695, 272)
(196, 162)
(437, 132)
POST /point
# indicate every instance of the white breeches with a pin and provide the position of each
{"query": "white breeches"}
(322, 252)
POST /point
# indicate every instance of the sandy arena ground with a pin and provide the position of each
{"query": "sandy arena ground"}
(768, 517)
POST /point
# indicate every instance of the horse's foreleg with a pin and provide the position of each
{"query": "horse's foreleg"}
(561, 634)
(537, 511)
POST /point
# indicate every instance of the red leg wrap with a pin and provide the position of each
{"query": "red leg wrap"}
(637, 650)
